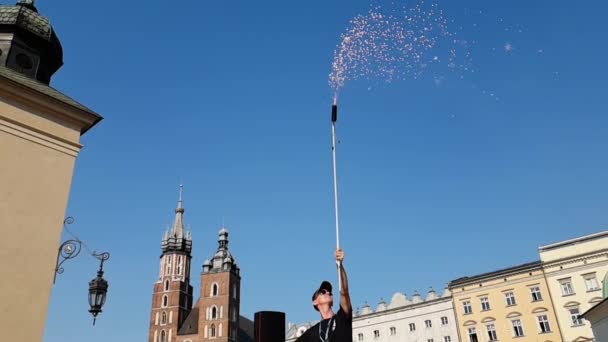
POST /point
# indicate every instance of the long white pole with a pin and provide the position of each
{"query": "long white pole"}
(333, 148)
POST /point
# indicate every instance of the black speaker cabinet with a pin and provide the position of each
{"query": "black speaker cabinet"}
(269, 326)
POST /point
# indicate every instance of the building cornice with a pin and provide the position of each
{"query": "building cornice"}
(576, 258)
(574, 241)
(535, 265)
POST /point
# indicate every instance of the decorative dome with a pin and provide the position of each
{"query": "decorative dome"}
(399, 299)
(381, 305)
(223, 231)
(366, 309)
(43, 54)
(416, 298)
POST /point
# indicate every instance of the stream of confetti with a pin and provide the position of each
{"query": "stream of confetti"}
(396, 43)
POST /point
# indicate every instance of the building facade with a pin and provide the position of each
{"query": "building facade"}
(512, 304)
(429, 319)
(40, 130)
(574, 270)
(216, 314)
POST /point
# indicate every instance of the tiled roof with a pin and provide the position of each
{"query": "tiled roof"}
(27, 19)
(190, 325)
(43, 89)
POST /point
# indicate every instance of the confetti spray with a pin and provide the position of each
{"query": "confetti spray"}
(390, 45)
(397, 43)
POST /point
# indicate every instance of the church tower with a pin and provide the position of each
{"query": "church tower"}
(220, 295)
(172, 297)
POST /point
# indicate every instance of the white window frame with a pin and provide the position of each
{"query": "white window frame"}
(376, 334)
(470, 332)
(510, 297)
(516, 323)
(412, 326)
(537, 296)
(575, 319)
(360, 337)
(591, 278)
(566, 287)
(485, 303)
(393, 331)
(466, 306)
(444, 320)
(447, 339)
(215, 290)
(491, 329)
(543, 324)
(428, 323)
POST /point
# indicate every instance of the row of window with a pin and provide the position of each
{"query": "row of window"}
(590, 280)
(518, 329)
(168, 265)
(412, 326)
(393, 331)
(509, 298)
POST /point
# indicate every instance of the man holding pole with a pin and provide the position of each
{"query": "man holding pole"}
(336, 327)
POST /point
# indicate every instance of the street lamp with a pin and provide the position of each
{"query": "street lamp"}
(98, 287)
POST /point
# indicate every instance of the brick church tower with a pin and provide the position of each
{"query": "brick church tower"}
(220, 295)
(172, 298)
(216, 316)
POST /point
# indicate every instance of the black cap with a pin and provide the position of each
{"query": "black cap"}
(325, 285)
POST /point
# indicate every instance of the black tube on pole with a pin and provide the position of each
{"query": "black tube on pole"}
(334, 113)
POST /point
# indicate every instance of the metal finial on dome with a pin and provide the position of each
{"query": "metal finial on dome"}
(27, 3)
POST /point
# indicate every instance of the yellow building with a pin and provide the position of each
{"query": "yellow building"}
(574, 271)
(40, 131)
(511, 304)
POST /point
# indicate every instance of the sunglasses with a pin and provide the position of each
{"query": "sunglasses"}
(325, 292)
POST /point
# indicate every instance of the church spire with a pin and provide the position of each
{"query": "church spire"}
(177, 239)
(178, 226)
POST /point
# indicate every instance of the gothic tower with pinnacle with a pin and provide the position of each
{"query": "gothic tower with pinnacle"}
(172, 296)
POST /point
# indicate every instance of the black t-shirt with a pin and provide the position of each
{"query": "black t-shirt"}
(340, 330)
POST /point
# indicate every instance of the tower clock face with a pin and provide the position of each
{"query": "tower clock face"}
(24, 61)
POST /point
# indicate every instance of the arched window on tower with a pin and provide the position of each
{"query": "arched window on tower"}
(167, 285)
(165, 301)
(212, 332)
(214, 290)
(179, 265)
(163, 319)
(163, 336)
(214, 312)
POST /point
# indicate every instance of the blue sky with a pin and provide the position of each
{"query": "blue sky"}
(437, 181)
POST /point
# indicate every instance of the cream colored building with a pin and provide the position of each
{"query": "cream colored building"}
(40, 131)
(574, 270)
(405, 319)
(512, 304)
